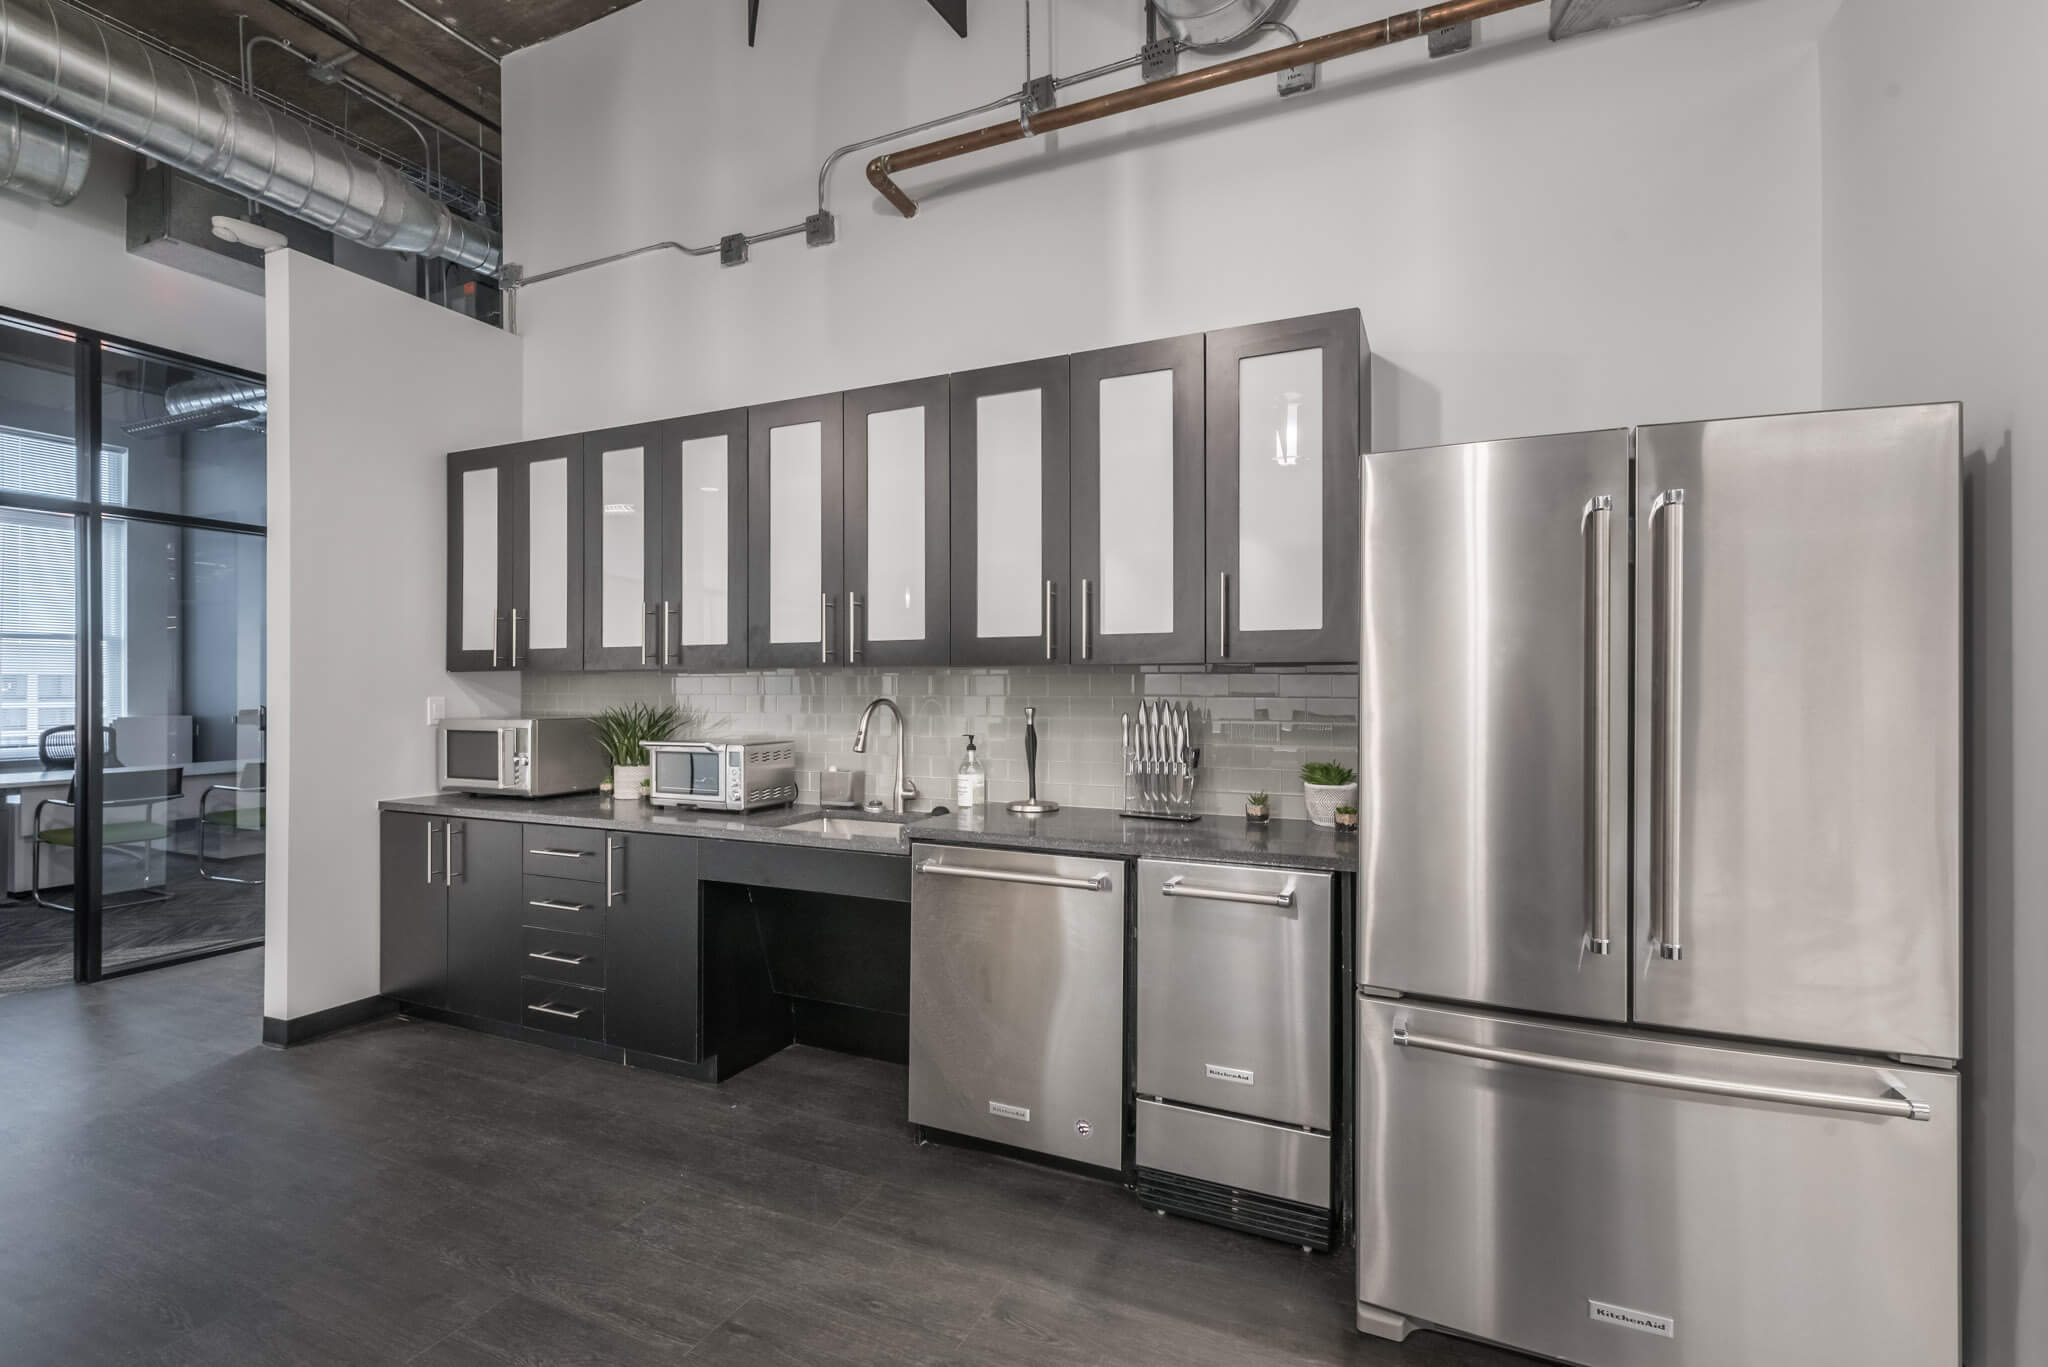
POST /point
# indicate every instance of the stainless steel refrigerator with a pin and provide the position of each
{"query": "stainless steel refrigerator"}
(1660, 892)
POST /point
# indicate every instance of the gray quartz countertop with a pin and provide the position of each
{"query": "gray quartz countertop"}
(1072, 830)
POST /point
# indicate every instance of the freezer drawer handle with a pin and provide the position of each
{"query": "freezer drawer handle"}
(1175, 887)
(1094, 883)
(1896, 1104)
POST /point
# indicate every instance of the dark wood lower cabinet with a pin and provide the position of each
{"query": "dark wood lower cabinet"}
(485, 930)
(412, 951)
(651, 948)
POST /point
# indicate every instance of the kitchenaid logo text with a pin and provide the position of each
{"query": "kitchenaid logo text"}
(1219, 1073)
(1642, 1321)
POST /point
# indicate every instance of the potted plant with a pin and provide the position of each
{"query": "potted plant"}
(1258, 807)
(623, 733)
(1326, 786)
(1347, 818)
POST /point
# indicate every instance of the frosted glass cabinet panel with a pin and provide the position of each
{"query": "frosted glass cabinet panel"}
(481, 582)
(1010, 515)
(701, 612)
(897, 440)
(1287, 425)
(1138, 497)
(622, 551)
(546, 621)
(795, 550)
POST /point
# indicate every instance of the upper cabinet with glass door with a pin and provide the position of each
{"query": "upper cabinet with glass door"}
(622, 547)
(896, 511)
(1138, 496)
(796, 545)
(1288, 422)
(701, 487)
(1010, 535)
(515, 556)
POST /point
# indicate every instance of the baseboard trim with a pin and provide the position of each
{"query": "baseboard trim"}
(299, 1029)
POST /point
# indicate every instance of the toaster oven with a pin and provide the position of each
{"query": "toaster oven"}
(722, 775)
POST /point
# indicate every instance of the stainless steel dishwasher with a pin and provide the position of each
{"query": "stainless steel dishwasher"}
(1017, 1000)
(1236, 1037)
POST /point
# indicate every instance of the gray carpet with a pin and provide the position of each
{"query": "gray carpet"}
(35, 942)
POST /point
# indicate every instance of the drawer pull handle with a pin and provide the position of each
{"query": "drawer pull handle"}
(550, 1009)
(1094, 883)
(546, 905)
(563, 854)
(548, 956)
(1895, 1103)
(1174, 887)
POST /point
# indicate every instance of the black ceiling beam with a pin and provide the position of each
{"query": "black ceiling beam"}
(954, 12)
(400, 72)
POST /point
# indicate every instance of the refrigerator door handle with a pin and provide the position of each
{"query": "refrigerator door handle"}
(1895, 1104)
(1595, 526)
(1667, 522)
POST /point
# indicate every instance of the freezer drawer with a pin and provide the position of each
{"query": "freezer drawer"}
(1616, 1221)
(1234, 983)
(1017, 1000)
(1248, 1155)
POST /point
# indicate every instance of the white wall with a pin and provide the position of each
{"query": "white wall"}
(1936, 202)
(1621, 228)
(72, 264)
(369, 391)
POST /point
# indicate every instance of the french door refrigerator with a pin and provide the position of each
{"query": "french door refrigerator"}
(1660, 892)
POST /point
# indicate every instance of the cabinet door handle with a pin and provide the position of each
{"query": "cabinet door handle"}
(853, 607)
(430, 854)
(515, 638)
(824, 628)
(1049, 593)
(1223, 615)
(496, 619)
(646, 630)
(448, 856)
(546, 956)
(550, 1009)
(666, 643)
(610, 882)
(1087, 627)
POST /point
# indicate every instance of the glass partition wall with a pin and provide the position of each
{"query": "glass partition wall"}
(132, 717)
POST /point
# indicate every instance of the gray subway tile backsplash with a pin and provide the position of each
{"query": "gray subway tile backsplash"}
(1259, 727)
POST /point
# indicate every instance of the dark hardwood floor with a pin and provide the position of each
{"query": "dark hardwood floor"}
(171, 1192)
(35, 941)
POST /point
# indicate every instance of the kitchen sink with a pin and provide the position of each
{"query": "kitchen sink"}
(847, 828)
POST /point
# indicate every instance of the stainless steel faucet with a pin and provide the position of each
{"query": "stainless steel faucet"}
(905, 789)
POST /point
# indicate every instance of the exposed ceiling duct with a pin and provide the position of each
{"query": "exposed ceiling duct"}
(57, 59)
(208, 401)
(41, 157)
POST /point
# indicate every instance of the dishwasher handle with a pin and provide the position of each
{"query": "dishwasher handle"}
(1178, 887)
(1099, 882)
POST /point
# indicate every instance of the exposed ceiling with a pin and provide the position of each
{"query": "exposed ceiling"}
(407, 59)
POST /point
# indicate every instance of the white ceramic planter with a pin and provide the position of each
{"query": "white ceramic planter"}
(1324, 799)
(626, 781)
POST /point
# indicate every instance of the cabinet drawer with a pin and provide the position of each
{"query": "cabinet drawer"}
(565, 852)
(1235, 966)
(563, 956)
(562, 1008)
(563, 904)
(1248, 1155)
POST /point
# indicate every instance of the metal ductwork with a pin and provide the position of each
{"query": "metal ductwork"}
(41, 157)
(208, 401)
(57, 59)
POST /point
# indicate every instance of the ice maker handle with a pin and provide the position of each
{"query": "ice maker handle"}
(1094, 883)
(1895, 1105)
(1176, 887)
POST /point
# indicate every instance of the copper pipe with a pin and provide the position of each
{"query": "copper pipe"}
(1394, 28)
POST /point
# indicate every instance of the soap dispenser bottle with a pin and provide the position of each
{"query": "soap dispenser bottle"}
(970, 787)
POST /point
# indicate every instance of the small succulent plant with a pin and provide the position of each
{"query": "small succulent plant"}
(1326, 774)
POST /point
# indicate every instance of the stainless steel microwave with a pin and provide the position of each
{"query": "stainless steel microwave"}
(520, 756)
(723, 775)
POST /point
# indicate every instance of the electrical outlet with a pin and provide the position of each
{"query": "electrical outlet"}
(437, 711)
